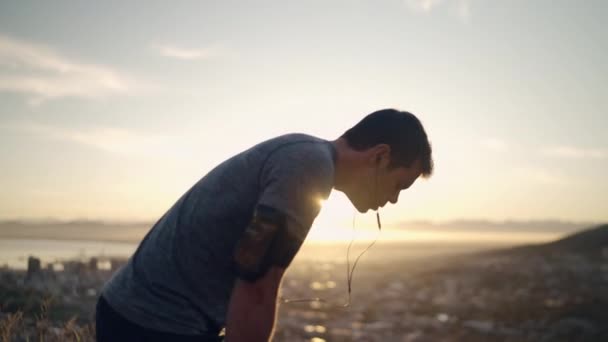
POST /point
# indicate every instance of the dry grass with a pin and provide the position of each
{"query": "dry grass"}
(14, 327)
(9, 325)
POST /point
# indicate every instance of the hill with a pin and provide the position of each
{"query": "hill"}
(589, 242)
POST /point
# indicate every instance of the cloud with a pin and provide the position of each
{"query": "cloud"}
(574, 152)
(43, 74)
(495, 144)
(116, 141)
(183, 53)
(422, 5)
(462, 8)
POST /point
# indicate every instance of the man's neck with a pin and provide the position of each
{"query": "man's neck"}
(346, 163)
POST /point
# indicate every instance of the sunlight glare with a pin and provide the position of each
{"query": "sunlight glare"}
(335, 221)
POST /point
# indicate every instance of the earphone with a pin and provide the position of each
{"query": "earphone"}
(378, 158)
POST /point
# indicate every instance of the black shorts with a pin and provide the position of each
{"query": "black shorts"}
(112, 327)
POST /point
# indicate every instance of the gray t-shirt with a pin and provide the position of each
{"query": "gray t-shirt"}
(181, 276)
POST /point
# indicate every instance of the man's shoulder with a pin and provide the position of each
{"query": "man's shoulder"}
(296, 174)
(299, 149)
(295, 139)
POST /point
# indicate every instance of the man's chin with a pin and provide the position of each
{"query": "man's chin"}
(361, 210)
(366, 209)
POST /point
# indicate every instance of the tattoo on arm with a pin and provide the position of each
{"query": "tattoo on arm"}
(266, 242)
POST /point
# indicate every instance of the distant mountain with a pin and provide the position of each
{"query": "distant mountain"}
(496, 226)
(74, 230)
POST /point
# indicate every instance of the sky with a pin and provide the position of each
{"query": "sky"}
(111, 110)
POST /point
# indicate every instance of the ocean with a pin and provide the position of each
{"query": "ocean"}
(14, 253)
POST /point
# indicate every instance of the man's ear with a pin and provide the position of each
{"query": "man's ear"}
(382, 154)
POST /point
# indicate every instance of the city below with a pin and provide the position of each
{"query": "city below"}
(547, 292)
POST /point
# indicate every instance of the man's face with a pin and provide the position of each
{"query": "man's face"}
(380, 184)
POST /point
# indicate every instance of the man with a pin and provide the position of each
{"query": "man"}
(216, 258)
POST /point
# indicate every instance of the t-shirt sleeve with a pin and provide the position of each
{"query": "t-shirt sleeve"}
(295, 178)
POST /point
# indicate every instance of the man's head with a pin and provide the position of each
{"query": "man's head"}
(381, 155)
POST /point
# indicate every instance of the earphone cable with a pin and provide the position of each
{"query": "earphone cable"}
(349, 272)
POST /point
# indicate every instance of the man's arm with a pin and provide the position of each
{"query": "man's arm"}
(252, 308)
(264, 251)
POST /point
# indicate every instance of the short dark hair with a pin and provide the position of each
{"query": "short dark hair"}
(402, 131)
